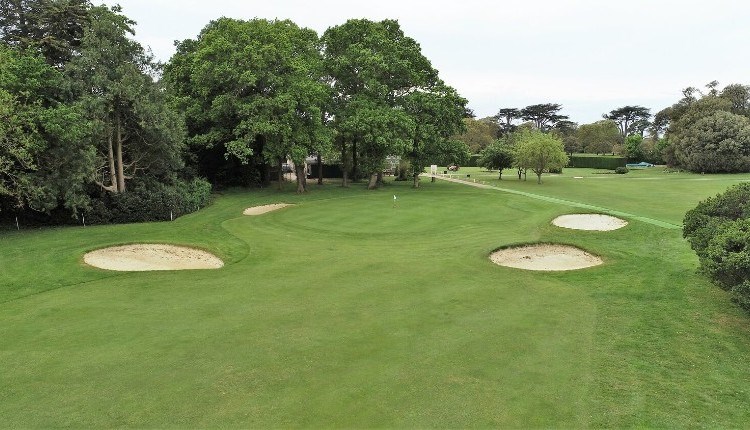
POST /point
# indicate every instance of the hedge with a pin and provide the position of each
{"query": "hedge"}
(597, 162)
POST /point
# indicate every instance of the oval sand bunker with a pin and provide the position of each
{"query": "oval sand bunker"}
(260, 210)
(596, 222)
(146, 257)
(545, 257)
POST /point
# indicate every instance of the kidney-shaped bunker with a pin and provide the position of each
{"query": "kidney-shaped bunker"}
(548, 257)
(145, 257)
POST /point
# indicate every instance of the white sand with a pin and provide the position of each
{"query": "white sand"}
(545, 257)
(260, 210)
(595, 222)
(146, 257)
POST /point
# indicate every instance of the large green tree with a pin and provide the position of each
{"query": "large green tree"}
(630, 119)
(478, 134)
(254, 90)
(373, 67)
(544, 116)
(718, 142)
(540, 152)
(137, 132)
(437, 112)
(54, 27)
(497, 156)
(599, 137)
(45, 160)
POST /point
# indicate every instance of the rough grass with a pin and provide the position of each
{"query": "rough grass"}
(344, 311)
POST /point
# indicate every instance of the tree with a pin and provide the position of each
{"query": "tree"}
(44, 156)
(599, 137)
(478, 134)
(438, 113)
(136, 130)
(718, 230)
(718, 142)
(566, 131)
(498, 155)
(540, 152)
(630, 119)
(373, 67)
(53, 27)
(633, 148)
(544, 116)
(254, 90)
(739, 97)
(505, 118)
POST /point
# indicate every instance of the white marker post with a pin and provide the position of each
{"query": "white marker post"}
(171, 218)
(17, 226)
(83, 217)
(394, 200)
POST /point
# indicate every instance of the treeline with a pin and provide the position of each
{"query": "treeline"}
(89, 122)
(705, 131)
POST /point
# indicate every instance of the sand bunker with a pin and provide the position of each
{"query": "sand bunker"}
(545, 257)
(145, 257)
(259, 210)
(589, 222)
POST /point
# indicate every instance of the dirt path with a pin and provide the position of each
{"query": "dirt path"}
(571, 203)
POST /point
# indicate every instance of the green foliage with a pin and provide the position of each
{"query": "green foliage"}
(539, 152)
(479, 134)
(543, 116)
(631, 120)
(634, 148)
(621, 170)
(597, 162)
(718, 230)
(149, 200)
(716, 142)
(497, 156)
(44, 156)
(599, 137)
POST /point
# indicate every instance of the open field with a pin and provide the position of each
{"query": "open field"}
(344, 311)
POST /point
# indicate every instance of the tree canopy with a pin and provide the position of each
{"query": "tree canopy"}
(540, 152)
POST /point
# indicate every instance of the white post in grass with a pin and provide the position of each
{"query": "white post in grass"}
(17, 226)
(83, 217)
(171, 218)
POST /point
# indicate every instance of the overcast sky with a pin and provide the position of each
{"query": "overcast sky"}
(590, 56)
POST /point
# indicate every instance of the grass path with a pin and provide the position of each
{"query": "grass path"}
(571, 203)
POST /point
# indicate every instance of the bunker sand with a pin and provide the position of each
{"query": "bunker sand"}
(592, 222)
(545, 257)
(149, 257)
(260, 210)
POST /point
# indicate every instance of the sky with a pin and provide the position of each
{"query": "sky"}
(589, 56)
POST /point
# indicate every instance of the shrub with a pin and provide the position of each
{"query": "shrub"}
(597, 162)
(621, 170)
(148, 200)
(718, 230)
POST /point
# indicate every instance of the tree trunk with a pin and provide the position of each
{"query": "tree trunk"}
(118, 154)
(538, 178)
(111, 160)
(519, 174)
(300, 171)
(281, 173)
(416, 180)
(355, 162)
(501, 175)
(373, 182)
(320, 170)
(344, 167)
(380, 178)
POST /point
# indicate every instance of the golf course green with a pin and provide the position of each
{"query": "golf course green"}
(349, 310)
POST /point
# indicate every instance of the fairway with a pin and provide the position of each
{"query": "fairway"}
(346, 310)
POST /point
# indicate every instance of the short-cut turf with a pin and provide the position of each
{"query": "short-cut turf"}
(344, 311)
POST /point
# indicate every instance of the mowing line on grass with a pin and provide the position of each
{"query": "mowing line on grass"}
(572, 203)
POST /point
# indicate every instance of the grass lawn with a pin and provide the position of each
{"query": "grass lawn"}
(344, 311)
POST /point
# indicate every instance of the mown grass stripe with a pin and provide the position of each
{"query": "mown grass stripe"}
(575, 204)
